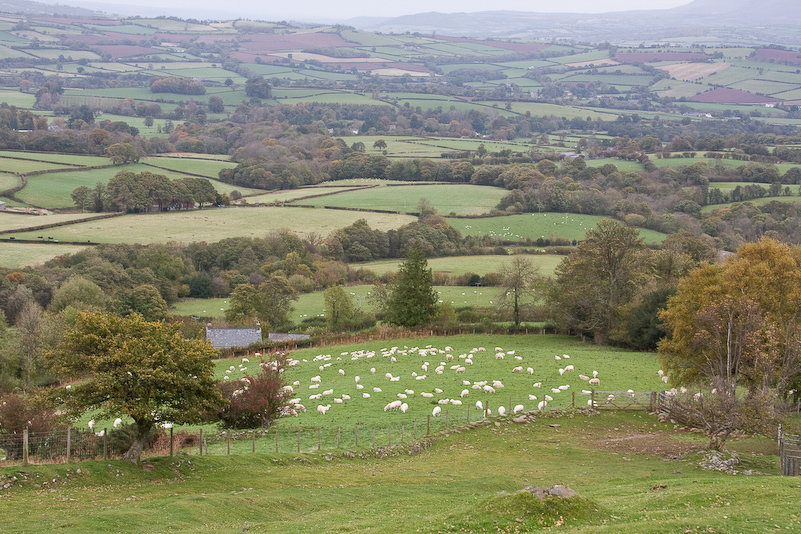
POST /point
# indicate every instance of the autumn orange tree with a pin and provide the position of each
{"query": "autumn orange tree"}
(735, 329)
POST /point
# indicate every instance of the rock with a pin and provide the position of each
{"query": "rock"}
(523, 419)
(561, 491)
(539, 493)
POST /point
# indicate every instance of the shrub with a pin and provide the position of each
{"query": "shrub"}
(18, 412)
(255, 401)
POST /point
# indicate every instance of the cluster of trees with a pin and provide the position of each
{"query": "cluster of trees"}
(177, 85)
(142, 192)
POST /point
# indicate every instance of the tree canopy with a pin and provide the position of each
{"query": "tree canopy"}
(131, 367)
(412, 300)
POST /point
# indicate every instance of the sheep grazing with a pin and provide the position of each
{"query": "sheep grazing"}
(314, 386)
(565, 356)
(359, 386)
(436, 411)
(561, 372)
(465, 382)
(548, 398)
(530, 370)
(439, 370)
(388, 376)
(665, 379)
(328, 392)
(321, 409)
(365, 395)
(595, 382)
(557, 358)
(449, 356)
(421, 377)
(501, 411)
(541, 405)
(595, 374)
(465, 393)
(517, 370)
(469, 361)
(456, 402)
(245, 360)
(356, 379)
(316, 379)
(372, 370)
(564, 388)
(479, 405)
(556, 390)
(404, 407)
(424, 367)
(568, 368)
(460, 369)
(532, 397)
(497, 384)
(518, 408)
(298, 408)
(489, 389)
(393, 360)
(376, 390)
(402, 395)
(394, 405)
(591, 403)
(345, 397)
(499, 356)
(409, 391)
(315, 397)
(443, 401)
(337, 401)
(660, 372)
(584, 377)
(288, 389)
(537, 384)
(427, 395)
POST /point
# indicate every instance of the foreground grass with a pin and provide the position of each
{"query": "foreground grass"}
(454, 486)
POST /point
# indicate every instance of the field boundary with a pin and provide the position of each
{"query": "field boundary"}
(789, 453)
(56, 225)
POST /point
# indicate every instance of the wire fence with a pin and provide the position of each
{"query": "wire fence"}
(289, 437)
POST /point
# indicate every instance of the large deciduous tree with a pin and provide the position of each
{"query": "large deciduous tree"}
(144, 370)
(518, 278)
(597, 279)
(269, 302)
(412, 300)
(738, 324)
(339, 310)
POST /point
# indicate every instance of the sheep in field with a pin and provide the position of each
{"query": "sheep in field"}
(501, 411)
(436, 411)
(518, 408)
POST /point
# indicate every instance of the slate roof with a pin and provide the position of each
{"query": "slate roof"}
(225, 338)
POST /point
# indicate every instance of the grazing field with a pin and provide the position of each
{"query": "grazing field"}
(458, 265)
(287, 195)
(755, 202)
(533, 226)
(633, 471)
(205, 167)
(215, 224)
(456, 199)
(13, 221)
(7, 181)
(15, 255)
(694, 71)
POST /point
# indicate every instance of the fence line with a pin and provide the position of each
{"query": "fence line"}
(75, 445)
(789, 453)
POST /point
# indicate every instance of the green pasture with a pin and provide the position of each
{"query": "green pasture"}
(12, 221)
(211, 225)
(765, 87)
(458, 265)
(13, 97)
(288, 195)
(730, 76)
(459, 199)
(17, 255)
(205, 167)
(546, 110)
(8, 181)
(676, 88)
(569, 226)
(22, 167)
(728, 187)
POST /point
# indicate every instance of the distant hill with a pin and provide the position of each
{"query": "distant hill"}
(25, 7)
(733, 21)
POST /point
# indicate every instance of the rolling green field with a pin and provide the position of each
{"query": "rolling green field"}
(13, 221)
(458, 265)
(458, 199)
(16, 255)
(539, 225)
(215, 224)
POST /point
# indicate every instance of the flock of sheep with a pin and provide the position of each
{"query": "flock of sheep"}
(435, 366)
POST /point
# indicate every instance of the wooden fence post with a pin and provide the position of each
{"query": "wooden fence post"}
(319, 440)
(428, 425)
(573, 404)
(276, 440)
(200, 441)
(69, 443)
(468, 414)
(105, 444)
(228, 441)
(253, 443)
(298, 440)
(356, 433)
(446, 418)
(339, 430)
(25, 446)
(172, 442)
(373, 446)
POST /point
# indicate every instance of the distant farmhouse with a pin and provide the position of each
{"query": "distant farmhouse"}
(225, 338)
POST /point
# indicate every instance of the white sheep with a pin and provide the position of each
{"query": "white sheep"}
(341, 372)
(557, 358)
(565, 356)
(548, 398)
(569, 368)
(541, 405)
(443, 401)
(409, 391)
(584, 377)
(499, 356)
(376, 390)
(595, 374)
(518, 408)
(501, 411)
(315, 397)
(345, 397)
(456, 402)
(460, 369)
(479, 405)
(421, 377)
(372, 370)
(314, 386)
(404, 407)
(439, 370)
(356, 379)
(469, 361)
(315, 379)
(561, 372)
(465, 393)
(532, 397)
(437, 390)
(530, 370)
(595, 382)
(517, 370)
(427, 395)
(436, 411)
(556, 390)
(388, 376)
(402, 395)
(359, 386)
(365, 395)
(489, 389)
(564, 388)
(321, 409)
(537, 384)
(337, 401)
(117, 422)
(394, 405)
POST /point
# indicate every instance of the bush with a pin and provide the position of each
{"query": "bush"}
(255, 401)
(18, 412)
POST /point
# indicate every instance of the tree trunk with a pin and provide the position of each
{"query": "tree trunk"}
(140, 440)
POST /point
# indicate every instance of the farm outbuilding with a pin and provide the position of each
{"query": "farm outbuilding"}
(225, 338)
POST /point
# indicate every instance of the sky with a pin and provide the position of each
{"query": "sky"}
(327, 10)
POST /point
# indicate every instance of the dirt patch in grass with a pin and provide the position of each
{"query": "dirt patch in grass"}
(658, 443)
